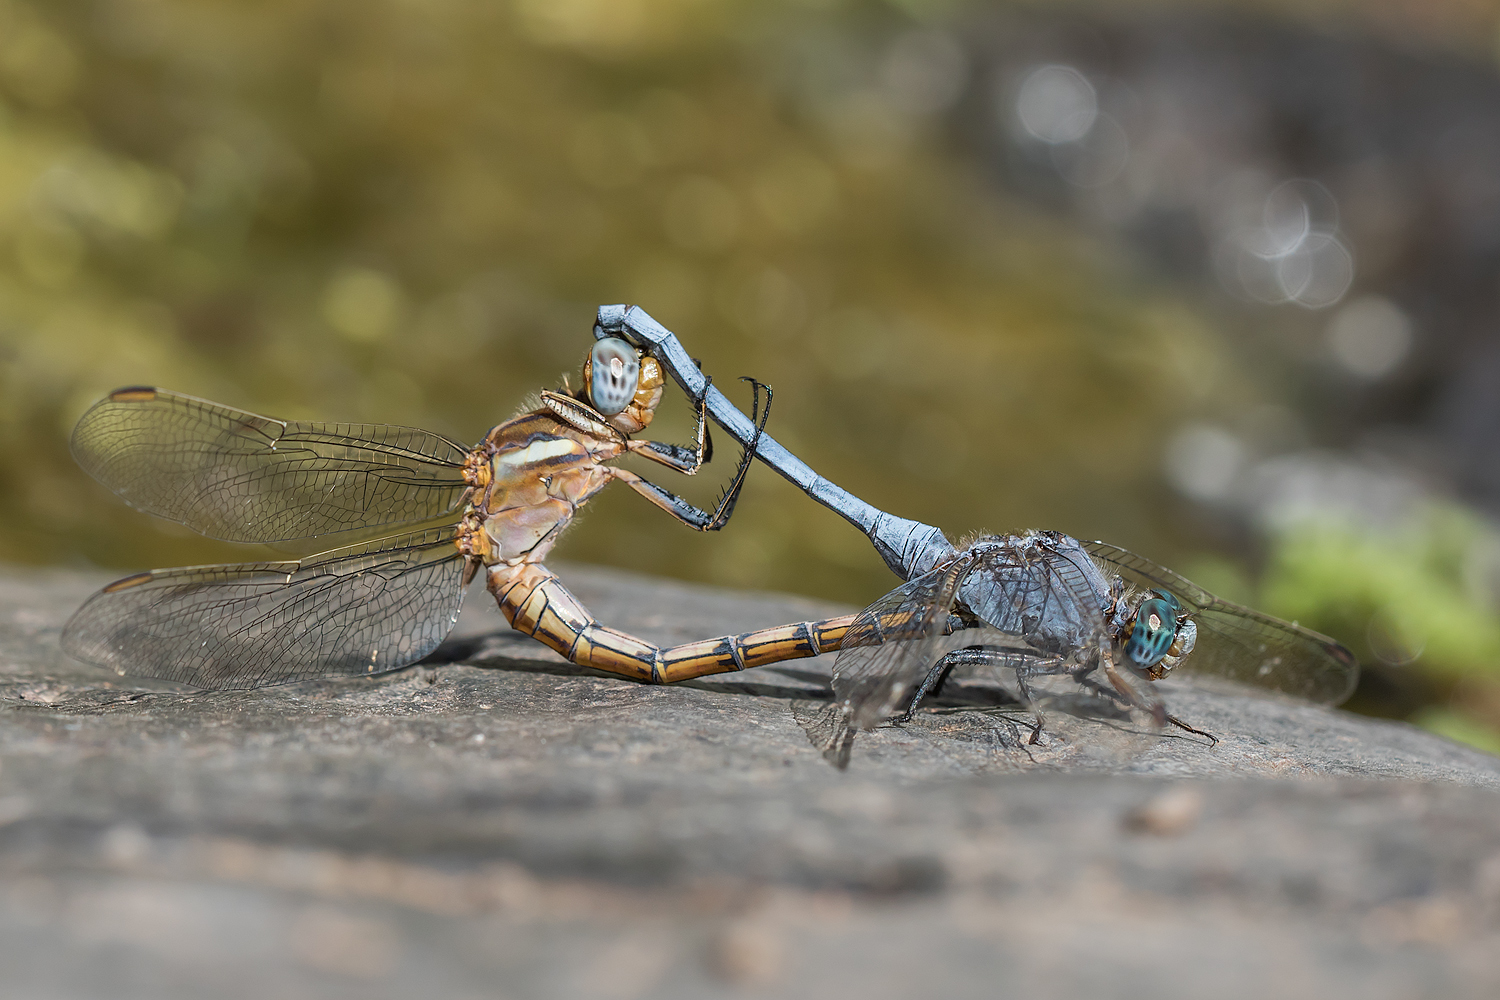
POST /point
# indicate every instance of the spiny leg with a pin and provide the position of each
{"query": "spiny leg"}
(1110, 693)
(1024, 666)
(731, 493)
(1130, 682)
(579, 415)
(684, 459)
(1079, 673)
(1036, 668)
(936, 676)
(981, 656)
(680, 457)
(1174, 720)
(686, 512)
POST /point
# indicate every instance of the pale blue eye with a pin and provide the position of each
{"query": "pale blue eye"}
(616, 375)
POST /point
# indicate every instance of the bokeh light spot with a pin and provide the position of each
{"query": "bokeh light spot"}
(1370, 337)
(1203, 461)
(1282, 245)
(1057, 104)
(1391, 640)
(1318, 273)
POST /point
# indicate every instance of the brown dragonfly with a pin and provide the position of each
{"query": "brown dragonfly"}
(379, 605)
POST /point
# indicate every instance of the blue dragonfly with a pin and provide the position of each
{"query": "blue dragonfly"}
(1039, 603)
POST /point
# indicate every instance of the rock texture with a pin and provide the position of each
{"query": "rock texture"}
(498, 823)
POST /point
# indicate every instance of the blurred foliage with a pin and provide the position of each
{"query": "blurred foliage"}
(1415, 603)
(1461, 727)
(408, 210)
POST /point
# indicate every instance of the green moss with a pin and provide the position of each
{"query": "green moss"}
(1460, 728)
(1413, 597)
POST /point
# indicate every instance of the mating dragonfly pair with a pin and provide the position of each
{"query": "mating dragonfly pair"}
(1040, 604)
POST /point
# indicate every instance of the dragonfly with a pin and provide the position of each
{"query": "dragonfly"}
(379, 605)
(1040, 603)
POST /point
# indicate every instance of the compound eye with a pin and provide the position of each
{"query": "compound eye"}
(1152, 633)
(616, 375)
(1172, 603)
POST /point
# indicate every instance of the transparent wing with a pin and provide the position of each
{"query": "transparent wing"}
(246, 478)
(893, 643)
(1040, 586)
(1044, 588)
(364, 609)
(1243, 644)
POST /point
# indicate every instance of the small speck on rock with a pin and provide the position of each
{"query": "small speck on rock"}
(747, 953)
(1168, 814)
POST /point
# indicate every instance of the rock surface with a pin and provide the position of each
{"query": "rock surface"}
(498, 823)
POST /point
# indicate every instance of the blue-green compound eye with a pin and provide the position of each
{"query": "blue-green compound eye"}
(1154, 629)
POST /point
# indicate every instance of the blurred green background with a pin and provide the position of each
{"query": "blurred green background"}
(407, 211)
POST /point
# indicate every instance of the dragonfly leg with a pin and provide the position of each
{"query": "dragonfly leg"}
(1136, 694)
(1174, 720)
(1102, 691)
(685, 512)
(1025, 671)
(935, 678)
(680, 457)
(688, 460)
(581, 416)
(1026, 668)
(536, 603)
(1120, 699)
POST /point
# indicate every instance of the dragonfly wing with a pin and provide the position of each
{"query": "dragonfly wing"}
(1243, 644)
(363, 609)
(892, 645)
(1046, 589)
(246, 478)
(1040, 586)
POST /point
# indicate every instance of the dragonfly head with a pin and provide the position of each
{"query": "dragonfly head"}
(623, 384)
(1160, 634)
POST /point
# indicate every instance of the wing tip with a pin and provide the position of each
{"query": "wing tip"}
(1351, 669)
(1342, 653)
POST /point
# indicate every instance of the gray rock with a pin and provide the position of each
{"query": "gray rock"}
(497, 822)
